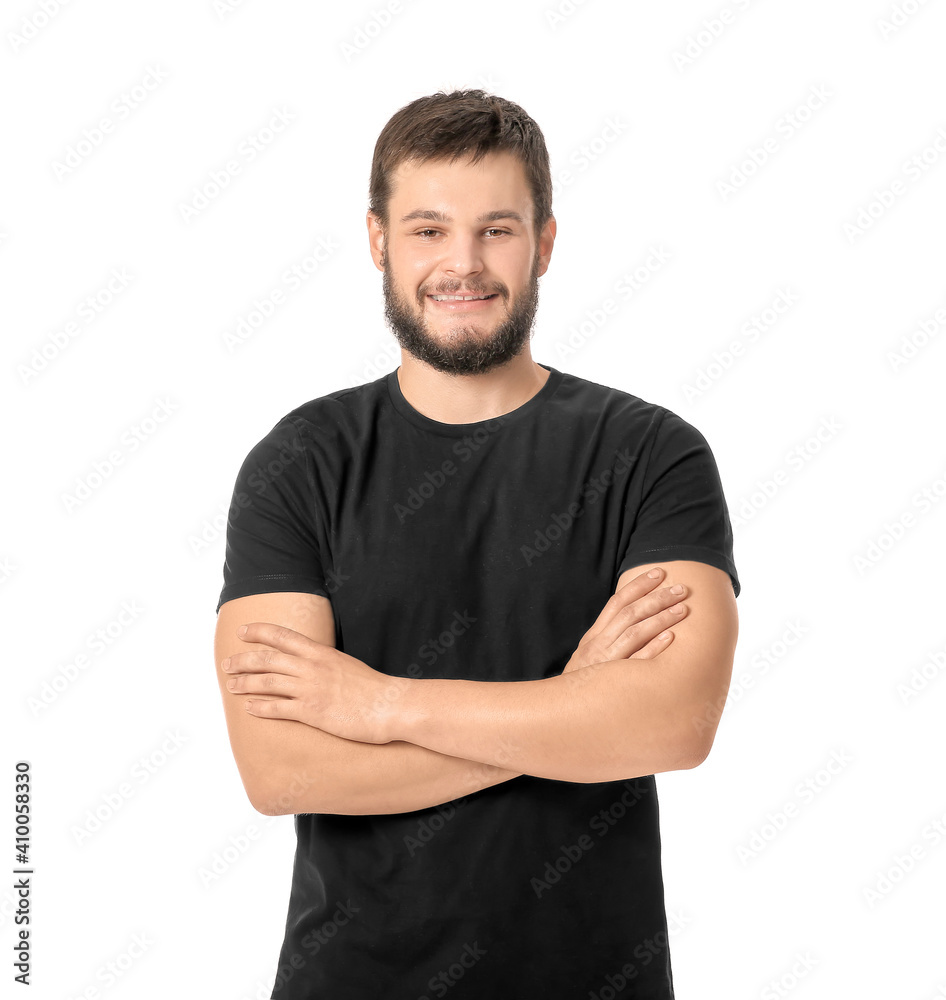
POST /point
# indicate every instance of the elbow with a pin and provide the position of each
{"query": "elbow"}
(696, 735)
(692, 756)
(693, 748)
(295, 788)
(285, 795)
(270, 806)
(635, 764)
(675, 752)
(268, 802)
(681, 756)
(263, 792)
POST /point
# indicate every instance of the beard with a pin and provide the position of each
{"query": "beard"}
(462, 350)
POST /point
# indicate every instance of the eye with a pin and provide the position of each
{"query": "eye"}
(428, 234)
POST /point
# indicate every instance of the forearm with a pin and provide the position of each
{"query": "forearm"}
(321, 773)
(614, 720)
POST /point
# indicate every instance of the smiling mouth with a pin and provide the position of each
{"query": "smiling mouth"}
(461, 298)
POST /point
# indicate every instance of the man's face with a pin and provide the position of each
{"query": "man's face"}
(463, 229)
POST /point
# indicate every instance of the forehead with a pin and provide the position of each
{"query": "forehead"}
(496, 182)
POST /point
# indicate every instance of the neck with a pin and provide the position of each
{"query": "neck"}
(467, 399)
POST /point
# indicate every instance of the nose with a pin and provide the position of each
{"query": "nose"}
(462, 257)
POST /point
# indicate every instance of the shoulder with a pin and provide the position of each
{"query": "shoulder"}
(319, 433)
(350, 404)
(641, 416)
(334, 415)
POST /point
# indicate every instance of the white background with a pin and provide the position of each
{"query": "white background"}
(827, 428)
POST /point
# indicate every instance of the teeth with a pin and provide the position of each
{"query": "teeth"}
(458, 298)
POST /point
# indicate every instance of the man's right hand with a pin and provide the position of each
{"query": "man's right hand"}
(634, 624)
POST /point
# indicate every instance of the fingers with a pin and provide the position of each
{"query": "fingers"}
(654, 609)
(279, 637)
(261, 661)
(276, 685)
(636, 638)
(265, 672)
(286, 645)
(282, 708)
(630, 592)
(656, 645)
(648, 651)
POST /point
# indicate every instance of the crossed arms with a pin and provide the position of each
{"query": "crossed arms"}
(315, 730)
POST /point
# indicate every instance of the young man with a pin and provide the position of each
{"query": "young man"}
(457, 672)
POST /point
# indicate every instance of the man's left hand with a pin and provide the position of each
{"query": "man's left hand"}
(311, 682)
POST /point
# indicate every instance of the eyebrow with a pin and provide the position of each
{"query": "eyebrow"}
(432, 215)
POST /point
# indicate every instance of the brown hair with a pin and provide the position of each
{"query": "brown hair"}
(453, 125)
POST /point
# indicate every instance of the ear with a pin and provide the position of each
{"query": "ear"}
(375, 239)
(546, 242)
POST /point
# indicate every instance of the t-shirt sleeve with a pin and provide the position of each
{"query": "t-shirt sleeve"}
(272, 542)
(681, 511)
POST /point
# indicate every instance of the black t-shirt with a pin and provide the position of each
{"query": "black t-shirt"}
(481, 551)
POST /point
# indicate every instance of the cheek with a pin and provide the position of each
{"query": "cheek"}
(513, 269)
(421, 277)
(416, 271)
